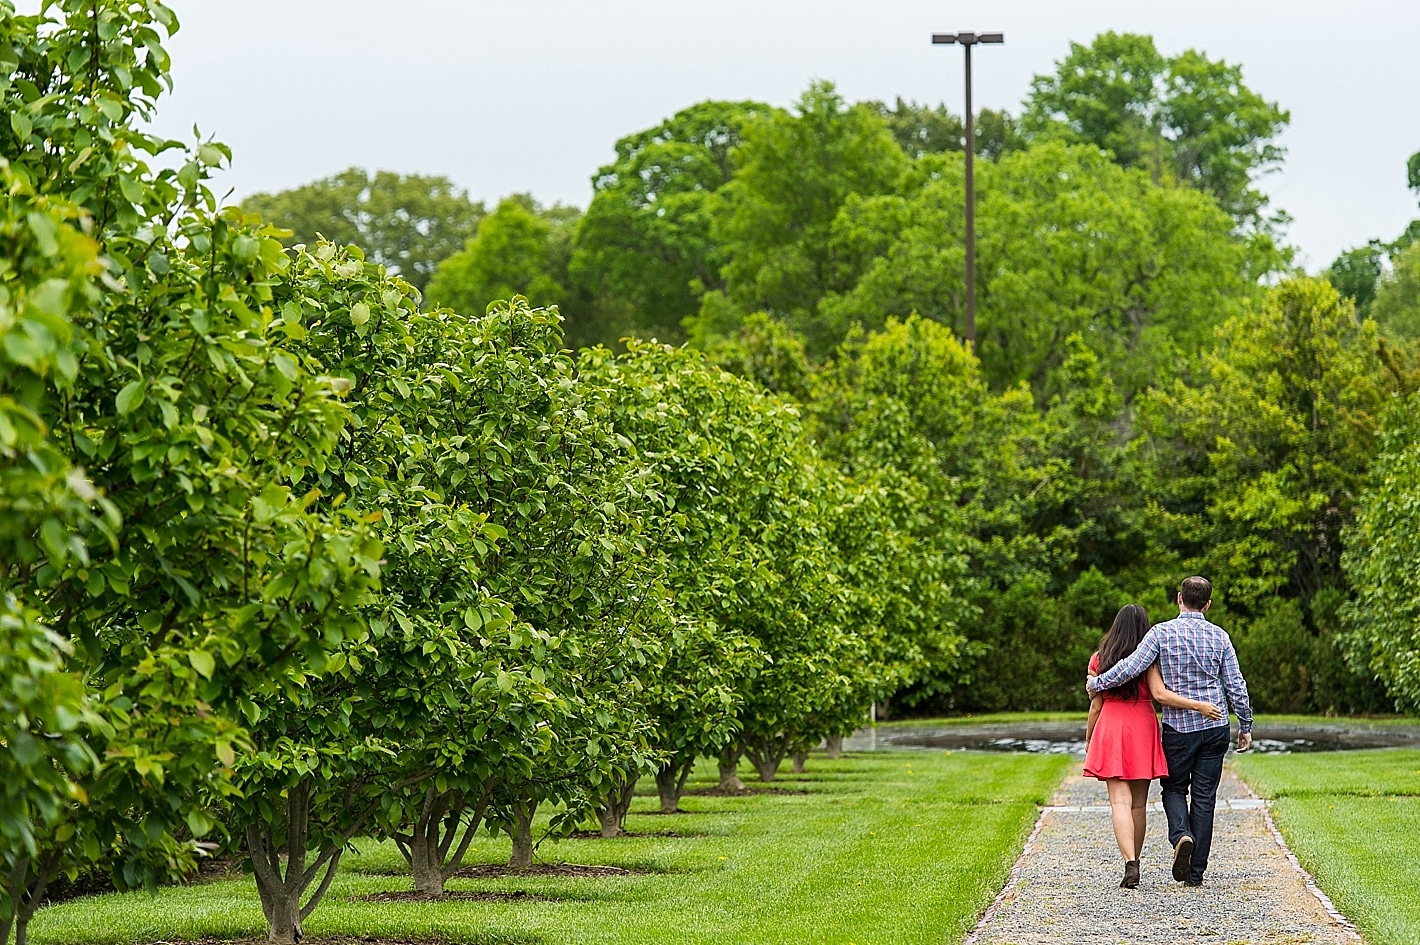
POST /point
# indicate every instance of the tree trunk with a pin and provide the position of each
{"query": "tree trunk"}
(767, 756)
(612, 809)
(522, 833)
(834, 744)
(425, 867)
(670, 783)
(28, 893)
(429, 847)
(280, 891)
(283, 920)
(801, 761)
(730, 769)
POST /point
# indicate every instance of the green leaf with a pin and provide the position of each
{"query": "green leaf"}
(286, 365)
(45, 232)
(203, 662)
(132, 191)
(130, 398)
(24, 350)
(54, 537)
(245, 248)
(197, 820)
(50, 298)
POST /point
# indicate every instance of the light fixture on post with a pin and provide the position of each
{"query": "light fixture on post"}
(968, 40)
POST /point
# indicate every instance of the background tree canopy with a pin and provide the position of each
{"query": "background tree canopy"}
(1184, 118)
(645, 247)
(407, 223)
(519, 249)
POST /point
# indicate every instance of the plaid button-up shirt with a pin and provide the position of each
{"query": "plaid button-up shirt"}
(1197, 660)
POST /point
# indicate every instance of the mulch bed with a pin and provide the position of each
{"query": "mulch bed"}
(499, 870)
(216, 868)
(209, 870)
(459, 895)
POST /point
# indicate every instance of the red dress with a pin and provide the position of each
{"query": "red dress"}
(1126, 742)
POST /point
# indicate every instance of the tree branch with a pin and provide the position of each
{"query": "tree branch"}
(319, 894)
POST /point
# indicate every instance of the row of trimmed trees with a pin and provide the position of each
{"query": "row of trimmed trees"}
(287, 561)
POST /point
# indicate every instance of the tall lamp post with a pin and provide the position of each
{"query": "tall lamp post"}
(969, 40)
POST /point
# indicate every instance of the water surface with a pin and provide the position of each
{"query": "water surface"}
(1068, 738)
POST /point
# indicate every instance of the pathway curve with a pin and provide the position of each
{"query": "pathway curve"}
(1065, 888)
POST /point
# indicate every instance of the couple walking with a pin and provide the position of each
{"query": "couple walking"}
(1188, 665)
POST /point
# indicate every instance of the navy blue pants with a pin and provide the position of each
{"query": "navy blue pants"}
(1195, 770)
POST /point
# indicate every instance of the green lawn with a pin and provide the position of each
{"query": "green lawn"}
(881, 849)
(1353, 819)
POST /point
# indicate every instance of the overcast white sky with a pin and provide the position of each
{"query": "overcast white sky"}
(530, 95)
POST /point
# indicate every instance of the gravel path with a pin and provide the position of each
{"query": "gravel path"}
(1066, 886)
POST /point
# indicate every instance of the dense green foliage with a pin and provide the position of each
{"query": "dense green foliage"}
(1262, 466)
(1184, 118)
(1383, 548)
(1396, 305)
(519, 249)
(922, 129)
(645, 249)
(1069, 243)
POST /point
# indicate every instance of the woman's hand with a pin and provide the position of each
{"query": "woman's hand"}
(1163, 695)
(1208, 710)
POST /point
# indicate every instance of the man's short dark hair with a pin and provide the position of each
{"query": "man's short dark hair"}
(1196, 592)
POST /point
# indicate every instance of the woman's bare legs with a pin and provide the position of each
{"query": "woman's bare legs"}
(1127, 800)
(1128, 807)
(1140, 801)
(1121, 809)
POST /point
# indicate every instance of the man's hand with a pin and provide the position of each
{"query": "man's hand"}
(1090, 681)
(1244, 741)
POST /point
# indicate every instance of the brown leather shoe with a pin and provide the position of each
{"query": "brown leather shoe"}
(1131, 875)
(1182, 858)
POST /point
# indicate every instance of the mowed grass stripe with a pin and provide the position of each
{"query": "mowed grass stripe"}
(1365, 852)
(1353, 819)
(1381, 772)
(889, 848)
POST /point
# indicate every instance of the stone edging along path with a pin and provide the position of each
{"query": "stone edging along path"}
(1064, 888)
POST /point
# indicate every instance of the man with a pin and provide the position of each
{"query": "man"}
(1197, 660)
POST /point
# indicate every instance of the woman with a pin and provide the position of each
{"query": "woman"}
(1125, 749)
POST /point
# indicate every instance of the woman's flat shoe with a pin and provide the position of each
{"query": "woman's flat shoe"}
(1131, 875)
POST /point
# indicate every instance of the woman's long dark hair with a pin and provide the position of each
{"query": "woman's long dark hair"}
(1129, 627)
